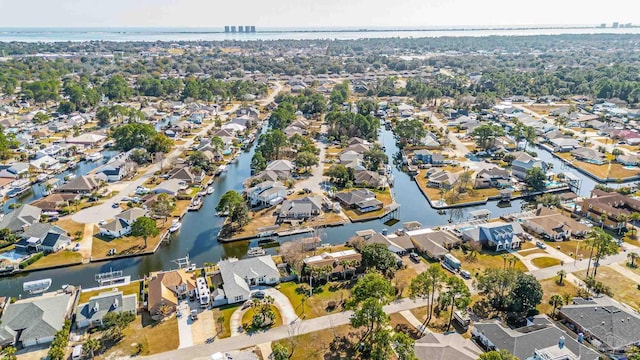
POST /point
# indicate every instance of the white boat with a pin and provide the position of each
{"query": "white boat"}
(256, 251)
(175, 225)
(36, 286)
(42, 177)
(210, 190)
(95, 156)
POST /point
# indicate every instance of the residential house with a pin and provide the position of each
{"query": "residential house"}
(114, 171)
(628, 136)
(616, 207)
(430, 140)
(55, 202)
(15, 170)
(441, 178)
(564, 144)
(539, 340)
(43, 237)
(21, 218)
(341, 263)
(170, 186)
(88, 139)
(588, 155)
(525, 162)
(427, 157)
(92, 313)
(238, 276)
(498, 236)
(187, 174)
(605, 324)
(369, 178)
(282, 166)
(435, 244)
(435, 346)
(267, 193)
(300, 209)
(551, 224)
(495, 177)
(121, 224)
(167, 288)
(361, 199)
(85, 184)
(394, 243)
(628, 160)
(35, 321)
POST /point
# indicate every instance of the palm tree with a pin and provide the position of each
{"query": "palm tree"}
(632, 258)
(603, 218)
(504, 259)
(633, 217)
(9, 353)
(622, 218)
(561, 274)
(567, 298)
(91, 346)
(512, 261)
(555, 301)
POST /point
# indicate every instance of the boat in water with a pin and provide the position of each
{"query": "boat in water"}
(37, 286)
(256, 251)
(42, 177)
(196, 204)
(175, 226)
(21, 187)
(210, 190)
(95, 156)
(221, 169)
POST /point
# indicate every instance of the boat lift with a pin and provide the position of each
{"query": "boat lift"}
(184, 263)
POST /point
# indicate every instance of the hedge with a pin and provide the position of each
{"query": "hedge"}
(31, 260)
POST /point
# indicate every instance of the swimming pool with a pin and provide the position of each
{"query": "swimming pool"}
(12, 256)
(553, 183)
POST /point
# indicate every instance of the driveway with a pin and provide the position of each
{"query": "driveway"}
(280, 301)
(184, 325)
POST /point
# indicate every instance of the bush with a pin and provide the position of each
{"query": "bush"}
(31, 260)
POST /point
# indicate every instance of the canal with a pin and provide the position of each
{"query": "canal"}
(197, 237)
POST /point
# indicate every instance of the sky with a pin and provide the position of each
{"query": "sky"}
(313, 13)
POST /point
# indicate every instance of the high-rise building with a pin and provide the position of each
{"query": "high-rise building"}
(240, 28)
(615, 25)
(253, 28)
(233, 29)
(226, 28)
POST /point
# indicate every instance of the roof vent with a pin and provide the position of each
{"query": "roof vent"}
(115, 303)
(603, 323)
(96, 307)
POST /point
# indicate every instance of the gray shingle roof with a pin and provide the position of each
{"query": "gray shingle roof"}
(37, 317)
(23, 216)
(98, 306)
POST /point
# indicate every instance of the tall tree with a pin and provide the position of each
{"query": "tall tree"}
(486, 135)
(426, 285)
(456, 295)
(145, 227)
(378, 257)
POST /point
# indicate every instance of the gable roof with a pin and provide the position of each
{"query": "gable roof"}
(234, 272)
(81, 183)
(98, 306)
(37, 317)
(159, 287)
(132, 214)
(18, 219)
(434, 346)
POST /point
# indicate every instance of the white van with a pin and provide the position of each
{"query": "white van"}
(77, 352)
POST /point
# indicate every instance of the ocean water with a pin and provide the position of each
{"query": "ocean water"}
(218, 34)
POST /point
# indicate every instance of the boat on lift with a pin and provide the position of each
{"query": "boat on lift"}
(175, 226)
(37, 286)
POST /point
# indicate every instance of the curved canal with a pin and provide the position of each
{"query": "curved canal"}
(197, 237)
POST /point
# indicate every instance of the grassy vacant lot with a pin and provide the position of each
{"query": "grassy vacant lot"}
(551, 287)
(131, 288)
(226, 312)
(64, 257)
(318, 304)
(70, 226)
(546, 261)
(127, 244)
(248, 316)
(485, 260)
(433, 194)
(569, 248)
(623, 289)
(156, 337)
(614, 171)
(316, 345)
(402, 281)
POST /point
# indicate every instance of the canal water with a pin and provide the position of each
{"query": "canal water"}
(197, 237)
(38, 190)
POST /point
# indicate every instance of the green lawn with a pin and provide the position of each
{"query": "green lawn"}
(226, 312)
(543, 262)
(623, 289)
(131, 288)
(248, 316)
(318, 304)
(551, 287)
(485, 260)
(64, 257)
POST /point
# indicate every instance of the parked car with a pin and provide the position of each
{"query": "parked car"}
(258, 295)
(414, 257)
(465, 274)
(541, 245)
(76, 247)
(194, 315)
(115, 206)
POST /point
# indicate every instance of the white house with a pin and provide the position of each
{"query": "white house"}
(238, 276)
(121, 224)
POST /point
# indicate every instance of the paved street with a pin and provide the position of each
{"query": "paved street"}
(460, 150)
(301, 327)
